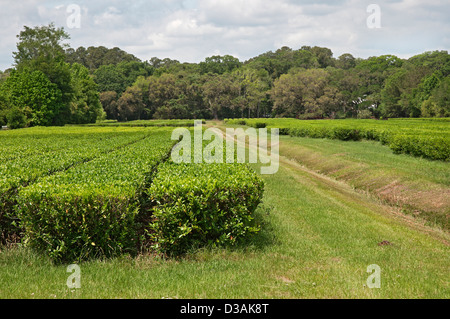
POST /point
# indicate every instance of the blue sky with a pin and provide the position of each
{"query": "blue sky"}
(191, 30)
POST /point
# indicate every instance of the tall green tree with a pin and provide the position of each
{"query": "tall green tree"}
(397, 96)
(253, 87)
(130, 105)
(85, 106)
(438, 103)
(219, 91)
(32, 92)
(219, 64)
(42, 48)
(305, 93)
(108, 99)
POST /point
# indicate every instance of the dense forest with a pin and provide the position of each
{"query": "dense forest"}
(54, 84)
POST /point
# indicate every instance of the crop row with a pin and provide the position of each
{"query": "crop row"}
(426, 138)
(202, 204)
(128, 198)
(90, 209)
(147, 123)
(39, 152)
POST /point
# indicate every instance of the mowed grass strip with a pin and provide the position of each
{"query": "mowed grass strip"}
(89, 210)
(419, 187)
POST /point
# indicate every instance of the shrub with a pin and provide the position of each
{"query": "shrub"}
(16, 118)
(260, 125)
(346, 134)
(38, 152)
(90, 209)
(71, 227)
(364, 114)
(195, 205)
(436, 148)
(3, 120)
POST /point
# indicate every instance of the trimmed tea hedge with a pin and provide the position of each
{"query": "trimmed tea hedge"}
(194, 205)
(427, 138)
(100, 196)
(29, 154)
(90, 209)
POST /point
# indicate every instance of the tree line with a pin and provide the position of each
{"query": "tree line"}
(53, 84)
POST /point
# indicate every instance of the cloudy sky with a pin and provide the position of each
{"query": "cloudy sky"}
(190, 30)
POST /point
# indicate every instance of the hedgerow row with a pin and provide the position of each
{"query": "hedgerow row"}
(90, 210)
(209, 204)
(130, 198)
(428, 138)
(38, 152)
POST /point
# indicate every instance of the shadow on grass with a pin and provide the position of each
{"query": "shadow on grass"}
(265, 237)
(255, 243)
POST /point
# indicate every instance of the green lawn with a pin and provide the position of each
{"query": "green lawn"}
(318, 237)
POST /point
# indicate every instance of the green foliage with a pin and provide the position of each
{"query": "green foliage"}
(34, 94)
(194, 205)
(438, 102)
(72, 229)
(85, 107)
(428, 138)
(95, 57)
(108, 99)
(89, 210)
(219, 64)
(34, 153)
(109, 78)
(282, 60)
(3, 119)
(118, 77)
(364, 114)
(48, 90)
(80, 193)
(16, 118)
(437, 148)
(147, 123)
(308, 83)
(305, 92)
(40, 46)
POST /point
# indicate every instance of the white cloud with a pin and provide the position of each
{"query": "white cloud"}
(190, 30)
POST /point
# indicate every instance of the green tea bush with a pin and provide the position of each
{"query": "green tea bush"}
(33, 153)
(195, 205)
(259, 125)
(90, 209)
(345, 134)
(428, 147)
(422, 137)
(69, 227)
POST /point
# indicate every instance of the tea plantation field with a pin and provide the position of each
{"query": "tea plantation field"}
(110, 199)
(422, 137)
(75, 193)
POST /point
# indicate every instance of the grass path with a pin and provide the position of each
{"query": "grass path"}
(318, 238)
